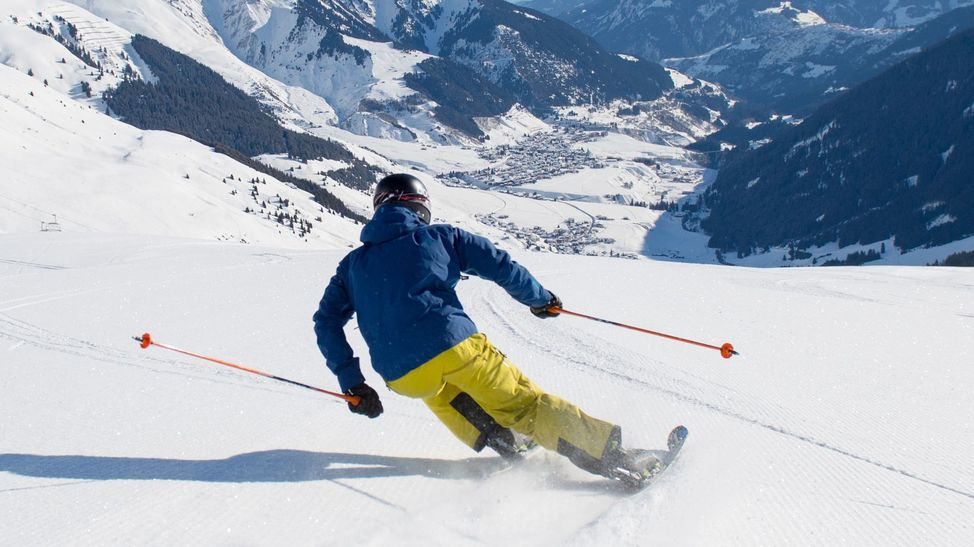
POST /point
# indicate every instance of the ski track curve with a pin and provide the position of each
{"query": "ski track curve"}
(611, 364)
(22, 332)
(37, 265)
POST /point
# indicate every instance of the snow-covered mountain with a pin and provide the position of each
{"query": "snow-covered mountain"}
(660, 29)
(795, 69)
(413, 71)
(336, 53)
(873, 170)
(69, 167)
(783, 55)
(589, 178)
(582, 185)
(387, 66)
(663, 29)
(891, 14)
(788, 58)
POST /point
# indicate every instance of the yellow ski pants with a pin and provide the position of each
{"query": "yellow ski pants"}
(474, 371)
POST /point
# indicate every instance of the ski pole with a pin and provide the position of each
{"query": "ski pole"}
(726, 350)
(146, 340)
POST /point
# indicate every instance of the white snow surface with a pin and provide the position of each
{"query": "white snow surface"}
(69, 164)
(846, 419)
(183, 26)
(516, 123)
(803, 18)
(680, 80)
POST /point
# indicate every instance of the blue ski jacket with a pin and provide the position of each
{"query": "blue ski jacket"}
(401, 282)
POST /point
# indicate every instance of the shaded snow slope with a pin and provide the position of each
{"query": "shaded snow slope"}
(845, 419)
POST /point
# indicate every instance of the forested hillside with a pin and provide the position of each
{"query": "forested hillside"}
(191, 99)
(892, 159)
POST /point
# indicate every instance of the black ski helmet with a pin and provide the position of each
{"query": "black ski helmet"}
(406, 190)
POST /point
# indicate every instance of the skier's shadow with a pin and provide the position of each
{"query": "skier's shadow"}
(265, 466)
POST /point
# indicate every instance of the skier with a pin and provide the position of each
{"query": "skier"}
(401, 283)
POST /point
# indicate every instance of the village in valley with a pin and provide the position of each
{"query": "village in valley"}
(516, 169)
(539, 156)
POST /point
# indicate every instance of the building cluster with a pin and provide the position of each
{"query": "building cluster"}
(540, 156)
(569, 237)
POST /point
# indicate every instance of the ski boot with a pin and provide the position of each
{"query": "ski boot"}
(508, 444)
(633, 466)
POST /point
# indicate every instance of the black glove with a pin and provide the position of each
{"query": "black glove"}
(545, 312)
(369, 403)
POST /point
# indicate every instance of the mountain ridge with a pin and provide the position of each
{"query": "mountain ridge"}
(870, 167)
(536, 59)
(781, 56)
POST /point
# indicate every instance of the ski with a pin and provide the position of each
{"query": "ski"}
(644, 466)
(674, 442)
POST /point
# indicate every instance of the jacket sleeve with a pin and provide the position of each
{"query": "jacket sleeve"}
(478, 256)
(333, 313)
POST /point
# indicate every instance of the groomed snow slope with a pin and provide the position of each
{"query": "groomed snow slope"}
(847, 419)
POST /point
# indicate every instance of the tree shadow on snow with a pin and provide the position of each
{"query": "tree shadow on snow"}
(266, 466)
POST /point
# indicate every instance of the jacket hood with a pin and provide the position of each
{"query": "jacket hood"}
(389, 222)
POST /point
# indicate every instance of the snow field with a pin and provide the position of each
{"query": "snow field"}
(845, 419)
(149, 182)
